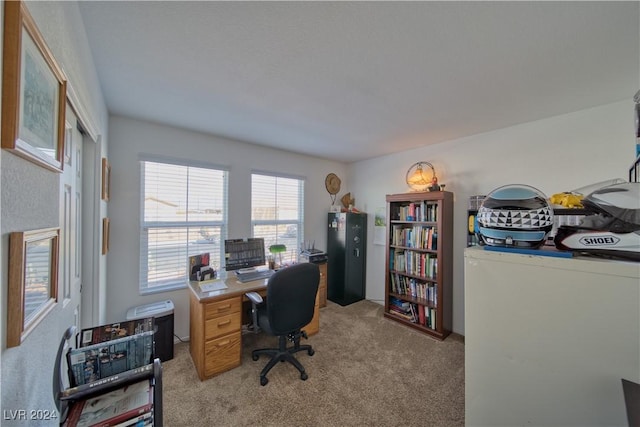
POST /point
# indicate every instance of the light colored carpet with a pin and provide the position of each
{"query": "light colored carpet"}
(366, 371)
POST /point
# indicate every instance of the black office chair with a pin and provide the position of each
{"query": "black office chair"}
(290, 305)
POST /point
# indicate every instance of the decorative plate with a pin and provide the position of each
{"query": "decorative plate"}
(332, 183)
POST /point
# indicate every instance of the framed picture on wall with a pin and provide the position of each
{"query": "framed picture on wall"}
(33, 92)
(33, 280)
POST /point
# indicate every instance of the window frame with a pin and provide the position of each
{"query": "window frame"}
(301, 202)
(146, 226)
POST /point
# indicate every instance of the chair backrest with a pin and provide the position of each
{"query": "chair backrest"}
(291, 297)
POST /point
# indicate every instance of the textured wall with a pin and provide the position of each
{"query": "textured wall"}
(30, 200)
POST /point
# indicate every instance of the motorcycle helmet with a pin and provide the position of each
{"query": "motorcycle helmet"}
(514, 216)
(613, 228)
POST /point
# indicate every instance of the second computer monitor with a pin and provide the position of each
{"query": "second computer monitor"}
(243, 253)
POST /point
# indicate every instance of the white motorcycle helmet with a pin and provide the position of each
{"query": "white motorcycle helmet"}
(514, 216)
(614, 228)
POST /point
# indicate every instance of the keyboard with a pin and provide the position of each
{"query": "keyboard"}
(254, 275)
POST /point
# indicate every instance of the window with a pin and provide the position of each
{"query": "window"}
(277, 212)
(184, 213)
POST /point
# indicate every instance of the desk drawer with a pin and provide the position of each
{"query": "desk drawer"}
(221, 325)
(222, 354)
(221, 308)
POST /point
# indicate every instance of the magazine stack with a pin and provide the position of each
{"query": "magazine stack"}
(114, 378)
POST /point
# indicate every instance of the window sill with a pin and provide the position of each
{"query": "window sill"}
(162, 289)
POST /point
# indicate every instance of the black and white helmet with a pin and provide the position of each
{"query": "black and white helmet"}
(514, 216)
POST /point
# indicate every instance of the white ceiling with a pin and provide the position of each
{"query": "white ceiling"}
(355, 80)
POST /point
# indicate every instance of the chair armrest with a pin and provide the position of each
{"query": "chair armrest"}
(254, 297)
(256, 300)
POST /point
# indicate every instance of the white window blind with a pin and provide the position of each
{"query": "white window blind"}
(277, 212)
(183, 213)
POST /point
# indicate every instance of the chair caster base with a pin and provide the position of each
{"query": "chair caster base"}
(263, 381)
(304, 376)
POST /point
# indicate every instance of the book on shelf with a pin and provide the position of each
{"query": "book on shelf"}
(400, 309)
(417, 211)
(392, 282)
(421, 315)
(102, 360)
(398, 302)
(432, 318)
(114, 331)
(113, 408)
(399, 262)
(139, 421)
(403, 315)
(414, 312)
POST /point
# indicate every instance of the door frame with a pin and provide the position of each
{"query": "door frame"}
(93, 289)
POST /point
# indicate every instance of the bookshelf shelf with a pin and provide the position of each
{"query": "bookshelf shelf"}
(415, 300)
(419, 249)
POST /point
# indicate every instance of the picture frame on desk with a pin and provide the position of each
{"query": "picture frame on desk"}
(33, 92)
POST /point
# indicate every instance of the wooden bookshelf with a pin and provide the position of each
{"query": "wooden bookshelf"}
(419, 261)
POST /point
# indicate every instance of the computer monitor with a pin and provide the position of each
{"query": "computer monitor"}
(243, 253)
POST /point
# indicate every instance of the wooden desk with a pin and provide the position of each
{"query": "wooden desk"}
(215, 324)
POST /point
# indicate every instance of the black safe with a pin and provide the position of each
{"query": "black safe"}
(346, 257)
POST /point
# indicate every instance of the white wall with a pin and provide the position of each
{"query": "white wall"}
(558, 154)
(129, 138)
(30, 198)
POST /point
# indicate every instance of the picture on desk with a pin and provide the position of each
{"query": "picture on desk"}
(199, 268)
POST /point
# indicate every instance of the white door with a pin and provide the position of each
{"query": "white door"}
(70, 275)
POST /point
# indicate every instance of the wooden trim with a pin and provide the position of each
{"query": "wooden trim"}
(106, 233)
(106, 180)
(17, 329)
